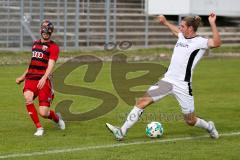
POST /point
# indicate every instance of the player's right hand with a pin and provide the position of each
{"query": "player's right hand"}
(19, 80)
(162, 19)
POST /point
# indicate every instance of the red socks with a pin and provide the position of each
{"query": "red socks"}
(53, 116)
(34, 115)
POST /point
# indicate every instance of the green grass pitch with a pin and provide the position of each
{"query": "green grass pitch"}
(216, 90)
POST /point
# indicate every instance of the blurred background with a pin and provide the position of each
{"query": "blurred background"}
(89, 24)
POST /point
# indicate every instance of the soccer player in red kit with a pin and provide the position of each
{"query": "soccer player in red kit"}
(37, 78)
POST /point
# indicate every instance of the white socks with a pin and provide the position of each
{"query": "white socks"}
(201, 123)
(132, 118)
(136, 112)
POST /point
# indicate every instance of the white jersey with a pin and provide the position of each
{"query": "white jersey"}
(187, 52)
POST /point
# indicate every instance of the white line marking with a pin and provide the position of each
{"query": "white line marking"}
(15, 155)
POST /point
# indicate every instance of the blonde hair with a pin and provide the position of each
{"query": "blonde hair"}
(193, 21)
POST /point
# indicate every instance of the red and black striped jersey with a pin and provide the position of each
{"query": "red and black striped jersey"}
(41, 53)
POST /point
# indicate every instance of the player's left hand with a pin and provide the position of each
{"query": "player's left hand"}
(212, 18)
(41, 83)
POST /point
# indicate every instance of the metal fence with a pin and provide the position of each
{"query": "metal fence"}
(79, 24)
(89, 24)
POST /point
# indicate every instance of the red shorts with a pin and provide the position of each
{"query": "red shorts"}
(45, 95)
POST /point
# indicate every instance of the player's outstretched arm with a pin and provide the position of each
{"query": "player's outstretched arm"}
(215, 41)
(174, 29)
(20, 79)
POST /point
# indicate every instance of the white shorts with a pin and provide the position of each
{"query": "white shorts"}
(181, 92)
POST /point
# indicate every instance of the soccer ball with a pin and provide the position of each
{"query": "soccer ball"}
(154, 130)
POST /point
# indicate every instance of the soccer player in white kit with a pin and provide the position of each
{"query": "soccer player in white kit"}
(177, 80)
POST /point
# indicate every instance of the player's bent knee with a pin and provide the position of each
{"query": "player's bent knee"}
(190, 122)
(28, 96)
(43, 113)
(190, 119)
(28, 99)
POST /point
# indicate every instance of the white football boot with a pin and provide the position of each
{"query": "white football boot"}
(213, 132)
(39, 132)
(116, 131)
(61, 123)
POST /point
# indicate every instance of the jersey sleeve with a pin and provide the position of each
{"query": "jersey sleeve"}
(204, 43)
(54, 52)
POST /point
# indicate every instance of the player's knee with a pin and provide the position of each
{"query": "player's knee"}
(190, 122)
(43, 113)
(28, 99)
